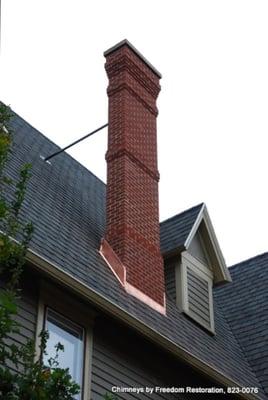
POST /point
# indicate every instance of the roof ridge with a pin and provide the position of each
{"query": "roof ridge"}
(182, 212)
(262, 255)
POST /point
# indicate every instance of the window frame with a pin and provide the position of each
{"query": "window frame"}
(198, 268)
(60, 301)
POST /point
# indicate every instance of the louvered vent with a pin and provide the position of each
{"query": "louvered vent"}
(198, 298)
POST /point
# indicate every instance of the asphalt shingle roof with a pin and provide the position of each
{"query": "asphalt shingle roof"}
(245, 306)
(66, 204)
(175, 230)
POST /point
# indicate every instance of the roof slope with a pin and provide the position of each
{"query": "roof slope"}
(175, 230)
(247, 313)
(66, 204)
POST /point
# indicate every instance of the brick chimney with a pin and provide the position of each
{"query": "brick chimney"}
(131, 246)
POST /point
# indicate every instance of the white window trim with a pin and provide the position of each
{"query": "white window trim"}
(187, 260)
(62, 303)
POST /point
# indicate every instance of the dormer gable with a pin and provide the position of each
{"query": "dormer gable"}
(203, 244)
(197, 249)
(193, 267)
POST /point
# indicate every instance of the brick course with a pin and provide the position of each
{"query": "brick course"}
(132, 228)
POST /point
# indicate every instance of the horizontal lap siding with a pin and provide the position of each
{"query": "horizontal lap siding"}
(27, 316)
(119, 361)
(198, 296)
(122, 358)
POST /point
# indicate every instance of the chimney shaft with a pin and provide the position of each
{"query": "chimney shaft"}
(132, 223)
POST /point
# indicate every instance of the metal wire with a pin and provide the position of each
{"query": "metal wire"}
(77, 141)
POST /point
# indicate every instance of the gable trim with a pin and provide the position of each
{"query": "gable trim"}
(194, 227)
(204, 216)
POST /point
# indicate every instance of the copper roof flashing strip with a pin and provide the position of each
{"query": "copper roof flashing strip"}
(119, 270)
(113, 262)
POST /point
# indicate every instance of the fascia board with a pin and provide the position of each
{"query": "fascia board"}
(224, 270)
(194, 227)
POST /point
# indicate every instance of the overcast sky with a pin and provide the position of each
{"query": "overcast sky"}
(213, 121)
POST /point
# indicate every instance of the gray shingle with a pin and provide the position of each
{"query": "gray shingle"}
(175, 230)
(245, 305)
(66, 203)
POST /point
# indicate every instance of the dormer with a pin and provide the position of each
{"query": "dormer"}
(193, 264)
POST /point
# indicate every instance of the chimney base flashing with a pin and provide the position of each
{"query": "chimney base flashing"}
(119, 270)
(130, 289)
(113, 261)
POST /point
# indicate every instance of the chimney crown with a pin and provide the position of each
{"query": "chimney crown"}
(125, 42)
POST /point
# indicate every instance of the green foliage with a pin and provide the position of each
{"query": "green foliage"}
(5, 139)
(35, 380)
(42, 382)
(110, 396)
(12, 253)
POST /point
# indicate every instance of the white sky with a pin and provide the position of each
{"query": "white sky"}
(212, 125)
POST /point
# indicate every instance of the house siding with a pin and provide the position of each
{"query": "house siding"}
(116, 363)
(26, 317)
(198, 297)
(121, 358)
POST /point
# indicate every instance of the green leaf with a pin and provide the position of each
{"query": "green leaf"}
(7, 301)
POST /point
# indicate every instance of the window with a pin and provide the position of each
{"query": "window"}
(194, 290)
(69, 322)
(71, 336)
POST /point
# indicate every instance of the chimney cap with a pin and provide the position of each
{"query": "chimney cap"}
(125, 42)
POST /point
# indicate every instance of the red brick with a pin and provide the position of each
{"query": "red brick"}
(132, 228)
